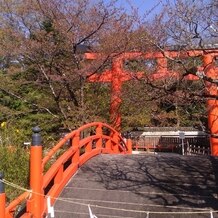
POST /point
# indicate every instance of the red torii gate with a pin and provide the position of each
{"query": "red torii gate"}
(117, 75)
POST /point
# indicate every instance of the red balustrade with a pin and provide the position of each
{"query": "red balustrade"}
(73, 151)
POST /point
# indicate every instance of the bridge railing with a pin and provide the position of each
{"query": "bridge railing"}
(62, 161)
(193, 144)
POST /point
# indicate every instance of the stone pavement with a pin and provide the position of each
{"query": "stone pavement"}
(127, 186)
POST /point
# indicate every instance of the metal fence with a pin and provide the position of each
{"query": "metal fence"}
(191, 145)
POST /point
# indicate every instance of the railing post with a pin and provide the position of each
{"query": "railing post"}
(99, 133)
(88, 147)
(75, 144)
(2, 197)
(115, 146)
(129, 146)
(36, 175)
(108, 145)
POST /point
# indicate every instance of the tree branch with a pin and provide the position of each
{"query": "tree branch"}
(27, 102)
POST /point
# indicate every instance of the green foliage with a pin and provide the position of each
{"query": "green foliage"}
(14, 155)
(184, 63)
(15, 166)
(136, 106)
(140, 65)
(142, 106)
(10, 103)
(11, 135)
(97, 100)
(47, 25)
(42, 79)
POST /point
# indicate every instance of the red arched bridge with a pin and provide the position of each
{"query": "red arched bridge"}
(78, 146)
(112, 185)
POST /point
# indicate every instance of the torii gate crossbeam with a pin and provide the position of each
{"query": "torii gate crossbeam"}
(117, 76)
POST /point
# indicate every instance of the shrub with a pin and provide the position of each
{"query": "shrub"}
(15, 166)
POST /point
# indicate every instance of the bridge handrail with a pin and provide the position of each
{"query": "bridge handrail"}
(53, 150)
(13, 205)
(71, 135)
(81, 148)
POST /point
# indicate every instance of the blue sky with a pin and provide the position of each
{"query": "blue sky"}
(143, 6)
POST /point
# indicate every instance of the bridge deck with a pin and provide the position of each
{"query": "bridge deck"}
(129, 185)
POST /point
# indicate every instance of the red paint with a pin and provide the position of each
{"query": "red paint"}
(35, 203)
(2, 204)
(117, 75)
(104, 139)
(212, 104)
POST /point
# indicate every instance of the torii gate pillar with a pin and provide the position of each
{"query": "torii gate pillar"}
(116, 86)
(117, 75)
(212, 104)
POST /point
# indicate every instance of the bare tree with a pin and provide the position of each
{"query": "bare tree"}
(50, 37)
(181, 26)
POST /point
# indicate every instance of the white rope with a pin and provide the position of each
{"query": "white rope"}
(15, 186)
(144, 192)
(211, 214)
(82, 213)
(111, 208)
(90, 213)
(138, 204)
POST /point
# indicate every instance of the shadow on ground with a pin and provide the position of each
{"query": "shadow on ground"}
(137, 184)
